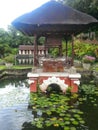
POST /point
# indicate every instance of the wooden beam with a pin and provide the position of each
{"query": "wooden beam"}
(72, 49)
(35, 50)
(66, 50)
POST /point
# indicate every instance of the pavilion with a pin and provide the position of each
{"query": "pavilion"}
(55, 22)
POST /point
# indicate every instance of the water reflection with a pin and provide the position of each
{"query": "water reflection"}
(14, 98)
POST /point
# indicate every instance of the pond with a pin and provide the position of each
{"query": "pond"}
(14, 98)
(90, 109)
(15, 114)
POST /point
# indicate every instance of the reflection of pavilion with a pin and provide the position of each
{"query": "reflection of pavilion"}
(26, 53)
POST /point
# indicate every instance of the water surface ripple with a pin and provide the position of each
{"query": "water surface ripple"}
(14, 106)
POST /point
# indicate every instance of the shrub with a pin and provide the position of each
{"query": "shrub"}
(9, 59)
(88, 59)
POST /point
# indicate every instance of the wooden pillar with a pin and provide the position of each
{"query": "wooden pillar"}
(60, 50)
(45, 45)
(35, 50)
(72, 49)
(66, 50)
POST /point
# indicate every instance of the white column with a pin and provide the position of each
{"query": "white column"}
(23, 60)
(19, 60)
(30, 52)
(23, 52)
(30, 61)
(42, 52)
(38, 52)
(46, 52)
(20, 52)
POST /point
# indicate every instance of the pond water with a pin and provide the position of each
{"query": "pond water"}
(90, 109)
(14, 112)
(14, 98)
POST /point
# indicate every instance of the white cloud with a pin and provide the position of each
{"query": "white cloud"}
(11, 9)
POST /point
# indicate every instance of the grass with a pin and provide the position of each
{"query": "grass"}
(22, 66)
(2, 67)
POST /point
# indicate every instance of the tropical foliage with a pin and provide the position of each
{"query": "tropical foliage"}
(10, 41)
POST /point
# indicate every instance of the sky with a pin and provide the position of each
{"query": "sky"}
(11, 9)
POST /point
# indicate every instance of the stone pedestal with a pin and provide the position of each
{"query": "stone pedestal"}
(53, 66)
(64, 80)
(86, 66)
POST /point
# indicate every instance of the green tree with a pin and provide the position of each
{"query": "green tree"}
(87, 6)
(3, 36)
(17, 38)
(9, 59)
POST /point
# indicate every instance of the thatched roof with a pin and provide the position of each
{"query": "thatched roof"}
(53, 17)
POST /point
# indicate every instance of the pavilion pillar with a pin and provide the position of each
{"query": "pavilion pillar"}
(60, 50)
(66, 50)
(72, 49)
(35, 51)
(45, 45)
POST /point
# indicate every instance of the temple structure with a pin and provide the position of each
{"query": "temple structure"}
(55, 22)
(26, 53)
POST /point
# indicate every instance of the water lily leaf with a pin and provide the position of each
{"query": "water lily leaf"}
(95, 105)
(82, 122)
(74, 110)
(80, 119)
(72, 128)
(67, 122)
(39, 126)
(41, 119)
(67, 118)
(48, 124)
(75, 122)
(49, 112)
(72, 119)
(68, 115)
(66, 128)
(76, 115)
(62, 124)
(92, 101)
(80, 112)
(61, 114)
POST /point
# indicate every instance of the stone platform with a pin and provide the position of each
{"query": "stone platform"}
(41, 80)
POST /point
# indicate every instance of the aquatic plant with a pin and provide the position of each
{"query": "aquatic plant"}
(56, 110)
(88, 89)
(88, 93)
(63, 111)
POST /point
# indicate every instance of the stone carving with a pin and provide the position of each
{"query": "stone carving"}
(53, 80)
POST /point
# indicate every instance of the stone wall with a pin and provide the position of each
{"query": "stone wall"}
(14, 72)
